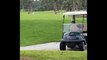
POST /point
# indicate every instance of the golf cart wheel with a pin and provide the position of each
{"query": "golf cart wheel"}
(62, 46)
(81, 46)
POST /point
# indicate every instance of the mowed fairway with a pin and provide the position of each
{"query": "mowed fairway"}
(40, 27)
(53, 55)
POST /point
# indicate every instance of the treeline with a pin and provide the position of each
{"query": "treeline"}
(56, 5)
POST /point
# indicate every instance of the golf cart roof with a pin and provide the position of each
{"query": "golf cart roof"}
(75, 13)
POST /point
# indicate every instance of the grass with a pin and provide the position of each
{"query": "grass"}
(40, 27)
(53, 55)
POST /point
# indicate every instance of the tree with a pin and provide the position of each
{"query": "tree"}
(22, 4)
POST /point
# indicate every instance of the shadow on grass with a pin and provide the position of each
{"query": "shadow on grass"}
(75, 49)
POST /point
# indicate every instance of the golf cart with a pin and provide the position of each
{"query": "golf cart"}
(74, 34)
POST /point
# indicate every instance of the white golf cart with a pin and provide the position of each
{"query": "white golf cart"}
(74, 34)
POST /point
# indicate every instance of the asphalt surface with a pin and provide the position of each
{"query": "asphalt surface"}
(46, 46)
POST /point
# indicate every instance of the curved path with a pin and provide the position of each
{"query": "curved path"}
(46, 46)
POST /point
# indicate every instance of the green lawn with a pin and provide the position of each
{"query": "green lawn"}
(40, 27)
(53, 55)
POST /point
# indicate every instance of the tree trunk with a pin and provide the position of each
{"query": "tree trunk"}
(30, 8)
(55, 7)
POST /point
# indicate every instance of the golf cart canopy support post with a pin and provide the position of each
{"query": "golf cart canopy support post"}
(63, 25)
(73, 19)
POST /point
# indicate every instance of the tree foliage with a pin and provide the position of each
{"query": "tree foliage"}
(56, 5)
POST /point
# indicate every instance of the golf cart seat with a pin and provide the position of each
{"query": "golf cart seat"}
(85, 28)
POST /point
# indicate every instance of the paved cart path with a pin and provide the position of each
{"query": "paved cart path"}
(46, 46)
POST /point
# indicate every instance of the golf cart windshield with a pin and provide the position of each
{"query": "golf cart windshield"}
(72, 28)
(77, 27)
